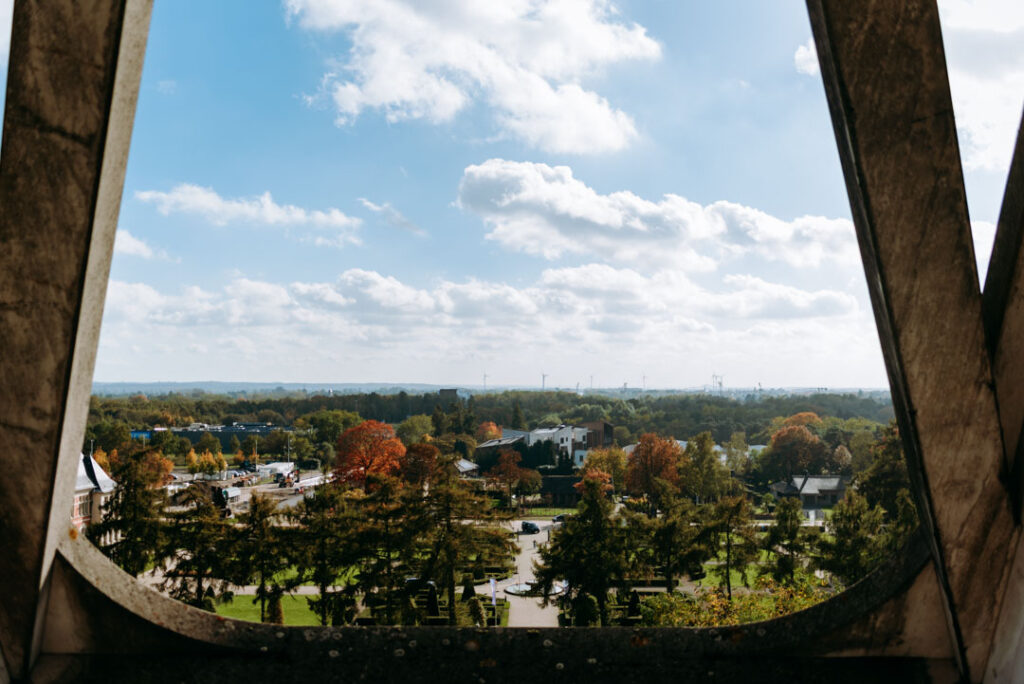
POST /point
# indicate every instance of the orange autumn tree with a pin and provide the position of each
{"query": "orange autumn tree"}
(653, 468)
(370, 447)
(419, 463)
(806, 418)
(506, 473)
(487, 431)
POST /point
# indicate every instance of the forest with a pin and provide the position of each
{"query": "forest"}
(680, 415)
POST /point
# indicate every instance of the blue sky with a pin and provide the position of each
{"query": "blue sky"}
(326, 191)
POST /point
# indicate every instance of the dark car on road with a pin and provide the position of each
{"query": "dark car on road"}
(529, 527)
(560, 518)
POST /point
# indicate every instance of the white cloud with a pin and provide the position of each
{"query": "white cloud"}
(206, 203)
(756, 298)
(986, 15)
(984, 234)
(805, 59)
(984, 43)
(526, 60)
(128, 244)
(545, 211)
(392, 216)
(365, 321)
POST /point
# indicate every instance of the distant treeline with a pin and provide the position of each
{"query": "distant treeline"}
(680, 415)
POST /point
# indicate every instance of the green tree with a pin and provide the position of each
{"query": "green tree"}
(414, 429)
(301, 449)
(733, 538)
(736, 453)
(108, 435)
(459, 525)
(276, 443)
(208, 442)
(326, 454)
(131, 516)
(702, 476)
(861, 444)
(612, 461)
(854, 544)
(902, 523)
(325, 547)
(518, 421)
(440, 421)
(260, 552)
(251, 447)
(886, 477)
(530, 482)
(194, 551)
(680, 541)
(587, 551)
(622, 435)
(328, 425)
(385, 536)
(235, 445)
(785, 542)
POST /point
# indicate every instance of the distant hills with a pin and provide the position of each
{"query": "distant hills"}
(115, 389)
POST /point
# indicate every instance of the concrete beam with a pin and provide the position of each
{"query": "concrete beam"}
(885, 77)
(72, 82)
(1004, 321)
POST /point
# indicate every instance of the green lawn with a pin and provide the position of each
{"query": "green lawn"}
(347, 577)
(549, 512)
(712, 580)
(296, 610)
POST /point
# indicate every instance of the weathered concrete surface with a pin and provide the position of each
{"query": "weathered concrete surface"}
(885, 74)
(159, 639)
(92, 598)
(74, 74)
(65, 126)
(1003, 301)
(1003, 310)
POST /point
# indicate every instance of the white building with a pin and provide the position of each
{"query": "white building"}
(92, 488)
(284, 468)
(570, 441)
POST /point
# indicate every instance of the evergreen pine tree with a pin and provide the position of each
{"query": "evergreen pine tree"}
(131, 517)
(194, 551)
(458, 524)
(260, 552)
(588, 551)
(324, 546)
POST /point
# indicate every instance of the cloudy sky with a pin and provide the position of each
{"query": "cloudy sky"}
(431, 191)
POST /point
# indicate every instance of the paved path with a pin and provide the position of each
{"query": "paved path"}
(527, 611)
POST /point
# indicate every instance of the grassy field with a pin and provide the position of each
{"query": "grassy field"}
(549, 512)
(735, 577)
(296, 610)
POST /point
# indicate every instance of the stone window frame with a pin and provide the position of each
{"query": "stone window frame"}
(950, 607)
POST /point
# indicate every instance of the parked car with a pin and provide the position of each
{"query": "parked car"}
(529, 527)
(560, 518)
